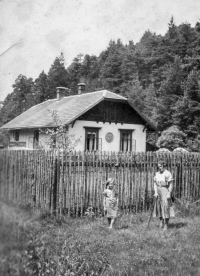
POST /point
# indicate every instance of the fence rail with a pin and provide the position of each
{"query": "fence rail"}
(69, 183)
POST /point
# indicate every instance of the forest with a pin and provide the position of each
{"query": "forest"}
(160, 75)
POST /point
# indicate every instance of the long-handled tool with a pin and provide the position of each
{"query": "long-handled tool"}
(152, 212)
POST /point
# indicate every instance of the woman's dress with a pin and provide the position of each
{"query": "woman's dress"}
(163, 203)
(111, 203)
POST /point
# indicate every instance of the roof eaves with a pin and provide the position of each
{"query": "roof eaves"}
(28, 127)
(143, 116)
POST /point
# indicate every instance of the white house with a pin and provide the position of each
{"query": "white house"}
(102, 120)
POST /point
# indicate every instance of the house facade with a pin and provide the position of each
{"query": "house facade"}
(101, 120)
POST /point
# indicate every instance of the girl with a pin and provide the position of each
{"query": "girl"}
(110, 202)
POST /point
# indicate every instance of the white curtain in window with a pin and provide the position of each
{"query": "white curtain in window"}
(126, 142)
(91, 139)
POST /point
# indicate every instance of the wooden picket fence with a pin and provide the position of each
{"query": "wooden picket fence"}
(71, 182)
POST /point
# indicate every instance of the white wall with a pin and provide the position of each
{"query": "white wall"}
(79, 131)
(24, 136)
(27, 137)
(138, 134)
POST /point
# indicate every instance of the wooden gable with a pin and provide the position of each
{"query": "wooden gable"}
(113, 112)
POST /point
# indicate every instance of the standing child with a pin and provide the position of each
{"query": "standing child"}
(110, 202)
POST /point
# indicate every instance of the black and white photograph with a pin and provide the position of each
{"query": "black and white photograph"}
(99, 138)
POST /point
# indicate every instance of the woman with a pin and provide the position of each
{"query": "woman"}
(110, 202)
(163, 188)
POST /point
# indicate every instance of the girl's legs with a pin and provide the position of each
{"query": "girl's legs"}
(111, 223)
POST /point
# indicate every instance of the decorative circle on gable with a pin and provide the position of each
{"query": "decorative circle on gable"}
(109, 137)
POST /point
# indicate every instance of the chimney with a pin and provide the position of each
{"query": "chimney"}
(81, 88)
(62, 92)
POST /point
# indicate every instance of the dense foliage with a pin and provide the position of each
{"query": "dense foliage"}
(159, 74)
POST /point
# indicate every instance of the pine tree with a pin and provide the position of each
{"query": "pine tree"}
(21, 99)
(74, 73)
(110, 72)
(150, 101)
(57, 76)
(169, 93)
(172, 29)
(41, 88)
(85, 68)
(187, 116)
(128, 70)
(136, 94)
(192, 86)
(22, 94)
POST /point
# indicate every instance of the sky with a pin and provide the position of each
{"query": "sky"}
(34, 32)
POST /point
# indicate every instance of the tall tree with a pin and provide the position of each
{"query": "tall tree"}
(187, 116)
(41, 88)
(192, 86)
(74, 73)
(21, 99)
(169, 92)
(57, 76)
(187, 109)
(136, 94)
(150, 102)
(172, 29)
(110, 73)
(89, 71)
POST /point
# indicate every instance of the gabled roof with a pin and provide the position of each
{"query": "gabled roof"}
(68, 108)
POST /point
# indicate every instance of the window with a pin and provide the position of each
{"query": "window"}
(16, 135)
(35, 138)
(126, 141)
(92, 140)
(110, 113)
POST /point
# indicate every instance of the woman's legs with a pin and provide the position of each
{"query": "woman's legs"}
(161, 222)
(166, 223)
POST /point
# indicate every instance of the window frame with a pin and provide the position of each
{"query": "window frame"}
(16, 134)
(36, 134)
(92, 129)
(127, 131)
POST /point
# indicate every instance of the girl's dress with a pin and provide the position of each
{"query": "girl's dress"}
(162, 206)
(111, 203)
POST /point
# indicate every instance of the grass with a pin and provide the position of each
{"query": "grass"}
(41, 245)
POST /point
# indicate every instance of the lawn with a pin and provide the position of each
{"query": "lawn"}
(33, 244)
